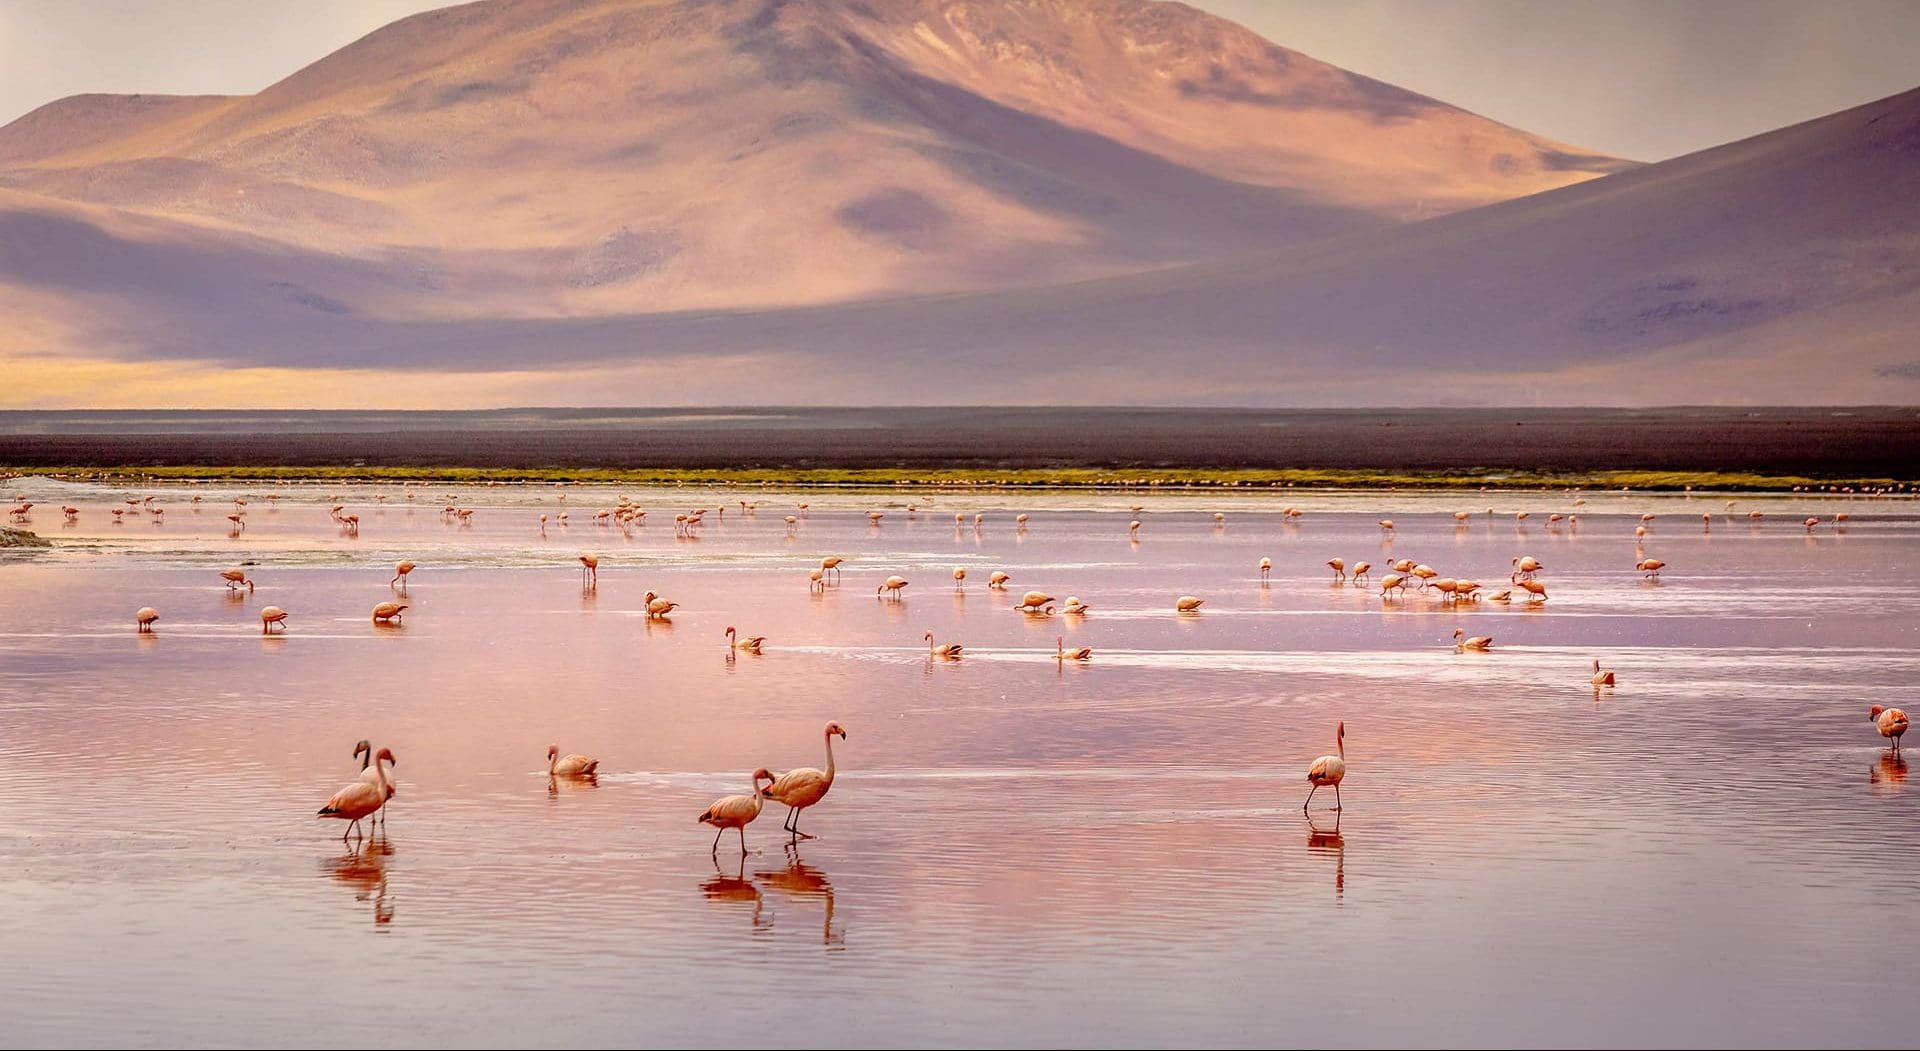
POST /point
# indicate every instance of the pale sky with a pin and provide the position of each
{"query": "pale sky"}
(1646, 79)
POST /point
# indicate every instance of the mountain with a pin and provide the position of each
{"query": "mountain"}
(550, 158)
(932, 201)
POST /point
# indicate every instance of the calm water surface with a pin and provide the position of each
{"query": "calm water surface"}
(1719, 849)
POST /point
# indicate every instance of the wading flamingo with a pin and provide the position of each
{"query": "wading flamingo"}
(1075, 607)
(890, 588)
(1601, 677)
(1360, 569)
(657, 607)
(360, 799)
(375, 776)
(735, 812)
(831, 564)
(997, 580)
(1329, 770)
(1650, 566)
(1266, 567)
(589, 570)
(816, 580)
(1392, 582)
(400, 574)
(1062, 653)
(1033, 600)
(1534, 588)
(1188, 604)
(1891, 722)
(750, 645)
(574, 765)
(143, 620)
(388, 612)
(1462, 641)
(1133, 527)
(802, 788)
(959, 577)
(947, 651)
(236, 578)
(1525, 566)
(1339, 567)
(271, 616)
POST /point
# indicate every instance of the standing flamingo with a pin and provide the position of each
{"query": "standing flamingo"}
(947, 651)
(735, 812)
(1329, 770)
(589, 571)
(236, 578)
(802, 788)
(997, 580)
(1891, 722)
(1266, 567)
(1650, 566)
(400, 574)
(1534, 588)
(959, 577)
(573, 765)
(1360, 570)
(360, 799)
(891, 587)
(831, 565)
(388, 612)
(657, 607)
(143, 620)
(271, 616)
(1339, 567)
(1188, 604)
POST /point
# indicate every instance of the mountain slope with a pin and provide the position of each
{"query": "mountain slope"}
(540, 158)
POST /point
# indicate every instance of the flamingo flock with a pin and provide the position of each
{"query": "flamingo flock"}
(367, 797)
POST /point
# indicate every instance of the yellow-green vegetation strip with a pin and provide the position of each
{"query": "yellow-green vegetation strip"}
(1024, 478)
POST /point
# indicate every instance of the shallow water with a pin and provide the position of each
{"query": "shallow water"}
(1719, 849)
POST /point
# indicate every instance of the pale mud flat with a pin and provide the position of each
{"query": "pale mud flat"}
(1719, 849)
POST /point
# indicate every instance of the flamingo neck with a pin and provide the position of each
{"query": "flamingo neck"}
(1340, 743)
(829, 758)
(553, 763)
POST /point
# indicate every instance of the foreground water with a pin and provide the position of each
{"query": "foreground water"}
(1719, 849)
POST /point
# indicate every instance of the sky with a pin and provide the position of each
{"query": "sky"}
(1646, 79)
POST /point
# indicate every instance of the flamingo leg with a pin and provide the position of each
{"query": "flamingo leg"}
(716, 842)
(1336, 797)
(1309, 802)
(743, 841)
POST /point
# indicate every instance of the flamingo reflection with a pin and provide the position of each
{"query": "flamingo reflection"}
(1890, 771)
(737, 889)
(364, 868)
(802, 882)
(1327, 842)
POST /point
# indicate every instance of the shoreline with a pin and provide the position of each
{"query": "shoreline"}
(895, 479)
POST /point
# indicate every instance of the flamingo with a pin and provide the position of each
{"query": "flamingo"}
(1219, 516)
(831, 564)
(1075, 607)
(574, 765)
(891, 584)
(1062, 653)
(802, 788)
(1339, 567)
(657, 607)
(1360, 569)
(1463, 642)
(1650, 566)
(1392, 582)
(1462, 516)
(1386, 525)
(589, 570)
(362, 798)
(1133, 527)
(959, 577)
(143, 620)
(1534, 588)
(948, 651)
(1033, 600)
(1020, 520)
(735, 812)
(1500, 596)
(1810, 523)
(875, 516)
(997, 580)
(269, 617)
(374, 776)
(1525, 566)
(400, 574)
(1188, 604)
(1266, 567)
(816, 580)
(979, 520)
(1600, 677)
(236, 578)
(73, 513)
(388, 612)
(750, 645)
(1426, 573)
(1329, 770)
(1404, 565)
(1891, 722)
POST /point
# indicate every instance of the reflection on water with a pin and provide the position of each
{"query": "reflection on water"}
(1023, 849)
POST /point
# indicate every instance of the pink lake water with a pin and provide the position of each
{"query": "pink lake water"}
(1719, 849)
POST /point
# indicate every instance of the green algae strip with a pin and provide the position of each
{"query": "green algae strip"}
(1023, 478)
